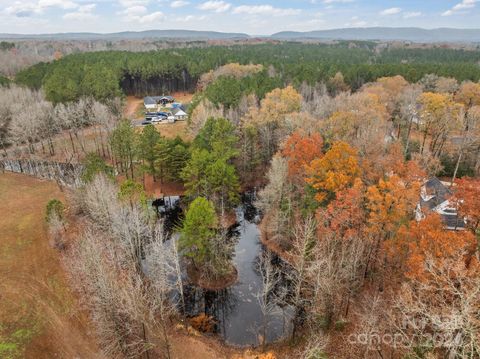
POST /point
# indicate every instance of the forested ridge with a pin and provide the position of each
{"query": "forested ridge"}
(108, 74)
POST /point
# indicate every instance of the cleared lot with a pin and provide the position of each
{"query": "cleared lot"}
(39, 314)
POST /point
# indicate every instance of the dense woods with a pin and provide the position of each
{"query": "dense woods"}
(106, 74)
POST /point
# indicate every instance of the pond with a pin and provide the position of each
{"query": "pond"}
(237, 310)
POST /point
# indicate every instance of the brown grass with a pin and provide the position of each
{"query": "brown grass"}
(172, 130)
(38, 309)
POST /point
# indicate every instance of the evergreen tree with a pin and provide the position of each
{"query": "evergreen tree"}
(199, 227)
(122, 141)
(94, 164)
(209, 172)
(147, 141)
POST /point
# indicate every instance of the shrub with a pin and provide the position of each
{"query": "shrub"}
(54, 207)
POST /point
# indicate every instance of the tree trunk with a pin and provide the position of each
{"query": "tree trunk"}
(460, 155)
(424, 140)
(130, 158)
(80, 142)
(71, 141)
(409, 131)
(145, 340)
(477, 162)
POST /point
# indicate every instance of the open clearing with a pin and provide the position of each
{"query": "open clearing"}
(38, 312)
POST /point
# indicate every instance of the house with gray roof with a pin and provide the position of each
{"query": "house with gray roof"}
(435, 198)
(156, 102)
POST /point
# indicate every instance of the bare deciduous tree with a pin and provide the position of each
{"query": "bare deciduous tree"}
(274, 198)
(442, 310)
(267, 298)
(304, 237)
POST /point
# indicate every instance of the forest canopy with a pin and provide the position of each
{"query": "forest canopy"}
(107, 74)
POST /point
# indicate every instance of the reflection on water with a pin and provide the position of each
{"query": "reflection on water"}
(237, 309)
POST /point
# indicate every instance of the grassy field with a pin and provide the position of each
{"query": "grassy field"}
(38, 315)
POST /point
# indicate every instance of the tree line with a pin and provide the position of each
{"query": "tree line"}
(76, 75)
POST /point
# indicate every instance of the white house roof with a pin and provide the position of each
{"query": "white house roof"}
(180, 113)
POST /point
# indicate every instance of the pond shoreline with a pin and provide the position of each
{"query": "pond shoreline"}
(270, 244)
(222, 283)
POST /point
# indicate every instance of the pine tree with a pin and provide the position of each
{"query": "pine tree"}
(147, 141)
(197, 230)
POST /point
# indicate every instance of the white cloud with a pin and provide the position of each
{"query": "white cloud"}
(83, 12)
(154, 16)
(139, 17)
(268, 10)
(179, 3)
(465, 4)
(215, 5)
(63, 4)
(409, 15)
(133, 11)
(27, 9)
(391, 11)
(132, 3)
(337, 1)
(23, 9)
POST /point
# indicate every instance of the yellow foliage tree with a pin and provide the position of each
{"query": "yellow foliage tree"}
(234, 70)
(334, 172)
(278, 103)
(271, 118)
(440, 115)
(469, 94)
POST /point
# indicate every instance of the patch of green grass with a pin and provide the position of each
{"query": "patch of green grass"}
(9, 350)
(14, 345)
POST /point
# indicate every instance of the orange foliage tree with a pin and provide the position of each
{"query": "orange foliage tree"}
(467, 198)
(345, 216)
(391, 203)
(300, 150)
(428, 239)
(334, 172)
(390, 161)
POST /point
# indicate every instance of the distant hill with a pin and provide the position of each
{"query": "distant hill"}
(126, 35)
(369, 33)
(387, 34)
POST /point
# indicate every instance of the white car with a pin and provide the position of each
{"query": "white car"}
(158, 119)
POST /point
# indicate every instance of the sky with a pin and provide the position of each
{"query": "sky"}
(246, 16)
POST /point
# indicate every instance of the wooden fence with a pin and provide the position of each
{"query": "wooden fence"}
(66, 174)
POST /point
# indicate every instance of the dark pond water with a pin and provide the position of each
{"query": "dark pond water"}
(237, 309)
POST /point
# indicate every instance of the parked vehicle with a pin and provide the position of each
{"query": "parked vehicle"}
(158, 119)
